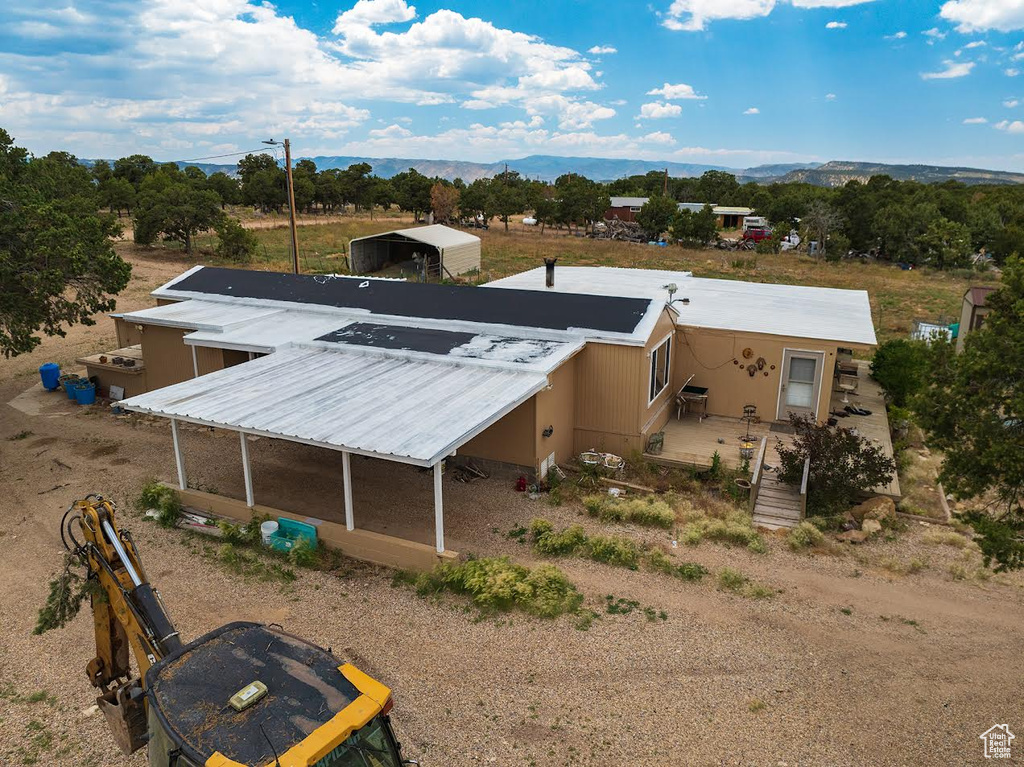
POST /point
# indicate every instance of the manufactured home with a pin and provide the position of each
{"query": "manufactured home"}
(524, 372)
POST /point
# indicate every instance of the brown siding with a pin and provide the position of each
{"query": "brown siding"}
(709, 356)
(165, 301)
(556, 408)
(128, 333)
(608, 387)
(168, 360)
(510, 440)
(209, 360)
(232, 357)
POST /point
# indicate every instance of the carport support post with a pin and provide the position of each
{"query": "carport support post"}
(246, 470)
(182, 483)
(438, 508)
(195, 362)
(346, 473)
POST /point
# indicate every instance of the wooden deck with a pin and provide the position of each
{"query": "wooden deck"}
(689, 442)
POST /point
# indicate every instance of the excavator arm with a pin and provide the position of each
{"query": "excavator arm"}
(128, 616)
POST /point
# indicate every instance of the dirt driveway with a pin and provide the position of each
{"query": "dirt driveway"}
(850, 663)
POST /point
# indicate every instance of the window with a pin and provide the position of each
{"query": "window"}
(660, 368)
(634, 209)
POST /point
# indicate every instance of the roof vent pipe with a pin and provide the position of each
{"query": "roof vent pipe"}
(549, 275)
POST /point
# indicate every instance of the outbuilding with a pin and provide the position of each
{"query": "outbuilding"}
(434, 251)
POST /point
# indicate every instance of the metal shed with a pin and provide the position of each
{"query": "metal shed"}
(447, 252)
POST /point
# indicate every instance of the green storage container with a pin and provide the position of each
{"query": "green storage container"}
(289, 532)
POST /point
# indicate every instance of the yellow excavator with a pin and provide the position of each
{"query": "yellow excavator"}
(243, 695)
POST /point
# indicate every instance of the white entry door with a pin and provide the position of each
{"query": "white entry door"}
(801, 383)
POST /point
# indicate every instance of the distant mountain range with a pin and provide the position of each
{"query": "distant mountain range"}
(549, 167)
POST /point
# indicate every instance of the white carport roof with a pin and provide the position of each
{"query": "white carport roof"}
(199, 315)
(394, 407)
(438, 235)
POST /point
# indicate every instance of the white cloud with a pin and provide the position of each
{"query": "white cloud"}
(752, 111)
(676, 92)
(836, 25)
(982, 15)
(657, 110)
(659, 137)
(1011, 71)
(975, 121)
(897, 36)
(934, 34)
(367, 13)
(976, 44)
(953, 70)
(830, 97)
(695, 15)
(1016, 126)
(392, 131)
(601, 50)
(1011, 103)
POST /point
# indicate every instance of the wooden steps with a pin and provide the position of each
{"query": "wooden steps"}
(778, 504)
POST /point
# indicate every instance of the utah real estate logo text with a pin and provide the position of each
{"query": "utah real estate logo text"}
(997, 741)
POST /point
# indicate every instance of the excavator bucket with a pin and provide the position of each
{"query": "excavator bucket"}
(125, 711)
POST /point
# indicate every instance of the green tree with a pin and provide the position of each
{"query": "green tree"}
(844, 464)
(412, 192)
(718, 188)
(176, 210)
(263, 181)
(819, 221)
(116, 194)
(225, 187)
(901, 368)
(57, 264)
(134, 169)
(656, 215)
(235, 242)
(946, 244)
(973, 410)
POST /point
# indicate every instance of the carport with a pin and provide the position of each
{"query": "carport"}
(394, 406)
(437, 251)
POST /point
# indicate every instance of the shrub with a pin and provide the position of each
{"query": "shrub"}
(843, 465)
(688, 571)
(804, 536)
(164, 500)
(498, 584)
(733, 580)
(547, 541)
(613, 550)
(900, 366)
(735, 529)
(235, 242)
(304, 553)
(649, 511)
(243, 535)
(946, 538)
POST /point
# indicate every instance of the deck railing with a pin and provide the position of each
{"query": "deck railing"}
(803, 488)
(755, 477)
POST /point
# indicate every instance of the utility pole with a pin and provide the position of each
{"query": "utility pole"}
(291, 199)
(664, 190)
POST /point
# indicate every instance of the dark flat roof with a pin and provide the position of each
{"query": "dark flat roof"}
(524, 308)
(394, 337)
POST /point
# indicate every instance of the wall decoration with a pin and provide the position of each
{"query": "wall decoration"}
(748, 353)
(761, 362)
(752, 370)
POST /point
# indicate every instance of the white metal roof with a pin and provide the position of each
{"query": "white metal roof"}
(268, 333)
(628, 202)
(398, 408)
(438, 235)
(753, 307)
(199, 315)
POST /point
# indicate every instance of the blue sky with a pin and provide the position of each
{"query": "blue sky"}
(729, 82)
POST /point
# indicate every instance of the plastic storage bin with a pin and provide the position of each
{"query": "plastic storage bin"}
(49, 374)
(289, 532)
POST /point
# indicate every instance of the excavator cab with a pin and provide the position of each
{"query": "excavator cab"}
(253, 695)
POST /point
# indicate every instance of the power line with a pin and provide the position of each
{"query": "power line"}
(261, 150)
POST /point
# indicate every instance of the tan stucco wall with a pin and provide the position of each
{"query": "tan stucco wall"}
(556, 407)
(168, 360)
(209, 360)
(128, 333)
(709, 355)
(509, 440)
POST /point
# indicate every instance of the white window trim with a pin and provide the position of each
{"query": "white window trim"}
(650, 368)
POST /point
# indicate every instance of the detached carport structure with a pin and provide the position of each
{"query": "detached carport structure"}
(447, 251)
(404, 408)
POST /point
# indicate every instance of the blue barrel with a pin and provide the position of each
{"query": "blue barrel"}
(50, 373)
(69, 387)
(85, 394)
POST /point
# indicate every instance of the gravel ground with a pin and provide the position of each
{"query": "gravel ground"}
(917, 669)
